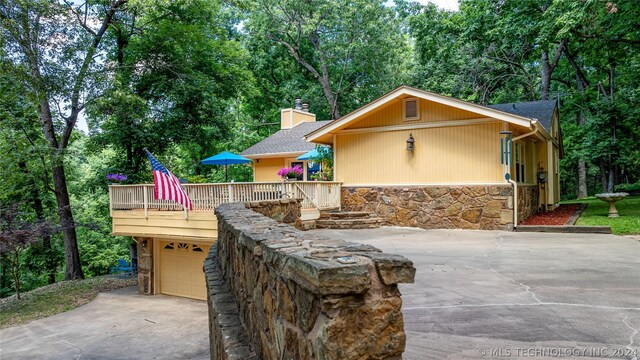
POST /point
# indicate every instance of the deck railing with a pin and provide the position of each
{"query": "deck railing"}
(321, 195)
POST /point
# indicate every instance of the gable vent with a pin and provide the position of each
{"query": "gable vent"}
(410, 109)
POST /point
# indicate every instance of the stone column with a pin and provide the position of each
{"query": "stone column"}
(145, 265)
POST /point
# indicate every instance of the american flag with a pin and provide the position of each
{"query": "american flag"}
(167, 186)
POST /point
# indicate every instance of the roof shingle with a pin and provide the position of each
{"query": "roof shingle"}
(541, 110)
(286, 140)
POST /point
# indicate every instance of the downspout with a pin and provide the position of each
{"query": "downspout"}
(515, 203)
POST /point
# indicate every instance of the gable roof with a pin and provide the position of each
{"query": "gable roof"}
(542, 110)
(422, 94)
(286, 141)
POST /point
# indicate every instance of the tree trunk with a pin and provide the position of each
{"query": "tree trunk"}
(15, 271)
(548, 66)
(582, 165)
(545, 77)
(73, 270)
(603, 176)
(582, 179)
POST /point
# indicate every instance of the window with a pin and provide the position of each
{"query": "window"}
(411, 109)
(519, 162)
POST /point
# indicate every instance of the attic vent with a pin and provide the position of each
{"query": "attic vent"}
(410, 109)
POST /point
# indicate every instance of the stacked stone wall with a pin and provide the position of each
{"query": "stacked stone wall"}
(488, 207)
(145, 265)
(528, 201)
(298, 296)
(284, 210)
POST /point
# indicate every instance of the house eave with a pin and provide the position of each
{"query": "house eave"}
(275, 155)
(409, 91)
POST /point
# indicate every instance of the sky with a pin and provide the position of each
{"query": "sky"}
(443, 4)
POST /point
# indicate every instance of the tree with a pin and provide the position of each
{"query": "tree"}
(16, 235)
(23, 165)
(178, 73)
(352, 50)
(59, 43)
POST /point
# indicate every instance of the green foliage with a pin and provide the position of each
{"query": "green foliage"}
(335, 54)
(325, 158)
(635, 188)
(176, 81)
(99, 250)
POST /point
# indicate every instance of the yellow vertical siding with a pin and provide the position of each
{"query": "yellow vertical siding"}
(429, 112)
(541, 152)
(461, 154)
(201, 225)
(267, 169)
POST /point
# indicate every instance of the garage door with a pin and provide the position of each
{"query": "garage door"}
(181, 269)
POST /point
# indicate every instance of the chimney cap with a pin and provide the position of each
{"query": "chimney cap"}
(305, 106)
(298, 104)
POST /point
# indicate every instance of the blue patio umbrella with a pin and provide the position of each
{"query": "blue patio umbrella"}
(309, 155)
(225, 158)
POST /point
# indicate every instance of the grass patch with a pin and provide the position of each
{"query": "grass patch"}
(56, 298)
(596, 214)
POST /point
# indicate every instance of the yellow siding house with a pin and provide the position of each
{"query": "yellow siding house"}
(418, 158)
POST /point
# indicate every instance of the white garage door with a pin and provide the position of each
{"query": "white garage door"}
(181, 269)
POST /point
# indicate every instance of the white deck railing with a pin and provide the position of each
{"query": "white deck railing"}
(321, 195)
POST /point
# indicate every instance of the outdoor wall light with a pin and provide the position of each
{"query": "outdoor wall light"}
(143, 243)
(411, 143)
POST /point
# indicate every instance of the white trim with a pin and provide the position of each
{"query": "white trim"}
(404, 90)
(404, 109)
(275, 155)
(434, 124)
(425, 184)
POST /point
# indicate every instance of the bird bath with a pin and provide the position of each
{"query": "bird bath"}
(612, 198)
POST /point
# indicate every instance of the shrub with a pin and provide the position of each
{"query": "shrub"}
(630, 188)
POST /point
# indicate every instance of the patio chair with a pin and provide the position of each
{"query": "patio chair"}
(123, 267)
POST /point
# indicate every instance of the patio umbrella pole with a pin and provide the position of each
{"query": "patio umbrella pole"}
(226, 174)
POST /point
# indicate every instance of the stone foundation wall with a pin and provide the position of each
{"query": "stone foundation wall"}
(528, 201)
(487, 207)
(284, 210)
(145, 265)
(436, 207)
(297, 296)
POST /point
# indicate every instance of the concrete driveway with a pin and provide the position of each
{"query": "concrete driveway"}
(116, 325)
(489, 294)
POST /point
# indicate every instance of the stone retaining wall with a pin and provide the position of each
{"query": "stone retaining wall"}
(436, 207)
(299, 296)
(528, 201)
(284, 210)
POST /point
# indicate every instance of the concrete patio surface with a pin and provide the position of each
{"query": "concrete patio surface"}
(491, 294)
(116, 325)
